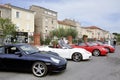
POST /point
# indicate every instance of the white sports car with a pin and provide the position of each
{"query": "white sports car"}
(69, 53)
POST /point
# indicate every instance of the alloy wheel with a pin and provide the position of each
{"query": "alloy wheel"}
(39, 69)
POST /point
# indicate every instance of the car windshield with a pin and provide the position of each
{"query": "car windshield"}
(29, 49)
(100, 43)
(92, 44)
(67, 46)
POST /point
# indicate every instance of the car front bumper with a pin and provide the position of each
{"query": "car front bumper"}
(57, 68)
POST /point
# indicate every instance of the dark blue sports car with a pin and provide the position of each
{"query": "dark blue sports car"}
(27, 57)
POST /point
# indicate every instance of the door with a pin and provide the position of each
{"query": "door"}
(65, 53)
(11, 60)
(1, 56)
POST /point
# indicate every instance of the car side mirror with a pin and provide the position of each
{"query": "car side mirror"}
(18, 53)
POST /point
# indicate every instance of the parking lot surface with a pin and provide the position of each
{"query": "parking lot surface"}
(98, 68)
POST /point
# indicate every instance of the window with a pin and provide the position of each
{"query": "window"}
(54, 14)
(1, 50)
(82, 44)
(49, 13)
(11, 50)
(52, 21)
(0, 14)
(17, 14)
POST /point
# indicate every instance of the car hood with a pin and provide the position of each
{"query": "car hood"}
(97, 46)
(45, 55)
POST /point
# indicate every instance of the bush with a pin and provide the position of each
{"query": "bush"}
(75, 41)
(46, 41)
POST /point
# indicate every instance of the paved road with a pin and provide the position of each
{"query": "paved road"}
(98, 68)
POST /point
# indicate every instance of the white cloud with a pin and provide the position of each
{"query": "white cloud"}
(102, 13)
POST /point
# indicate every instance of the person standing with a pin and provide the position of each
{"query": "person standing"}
(114, 43)
(61, 42)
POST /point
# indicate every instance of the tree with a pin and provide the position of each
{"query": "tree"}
(61, 32)
(58, 32)
(117, 37)
(7, 28)
(71, 32)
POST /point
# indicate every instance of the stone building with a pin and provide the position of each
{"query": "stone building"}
(98, 33)
(5, 12)
(45, 20)
(22, 18)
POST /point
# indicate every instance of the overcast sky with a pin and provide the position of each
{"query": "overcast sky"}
(101, 13)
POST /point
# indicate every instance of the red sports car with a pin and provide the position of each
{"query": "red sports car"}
(94, 49)
(110, 48)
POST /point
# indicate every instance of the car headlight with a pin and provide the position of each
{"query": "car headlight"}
(55, 60)
(104, 49)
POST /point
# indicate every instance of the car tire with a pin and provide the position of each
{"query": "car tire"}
(96, 52)
(77, 57)
(39, 69)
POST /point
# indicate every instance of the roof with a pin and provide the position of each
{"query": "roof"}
(93, 27)
(3, 6)
(43, 8)
(64, 23)
(12, 6)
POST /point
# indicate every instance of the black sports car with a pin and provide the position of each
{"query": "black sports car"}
(27, 57)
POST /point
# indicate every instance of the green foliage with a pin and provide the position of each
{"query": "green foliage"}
(55, 42)
(61, 32)
(7, 27)
(58, 32)
(71, 32)
(46, 41)
(115, 34)
(75, 41)
(118, 37)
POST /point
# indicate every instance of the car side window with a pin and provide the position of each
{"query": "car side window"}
(82, 44)
(1, 50)
(11, 50)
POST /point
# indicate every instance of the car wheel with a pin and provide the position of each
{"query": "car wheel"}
(39, 69)
(76, 57)
(96, 52)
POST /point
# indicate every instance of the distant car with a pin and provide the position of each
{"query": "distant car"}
(95, 50)
(110, 48)
(29, 58)
(68, 52)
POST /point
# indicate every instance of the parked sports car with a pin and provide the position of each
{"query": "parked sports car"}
(29, 58)
(95, 50)
(110, 48)
(68, 52)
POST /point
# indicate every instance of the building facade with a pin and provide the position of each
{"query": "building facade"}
(68, 23)
(86, 32)
(45, 20)
(22, 18)
(63, 24)
(5, 12)
(98, 33)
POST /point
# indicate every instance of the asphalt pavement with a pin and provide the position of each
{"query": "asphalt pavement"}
(98, 68)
